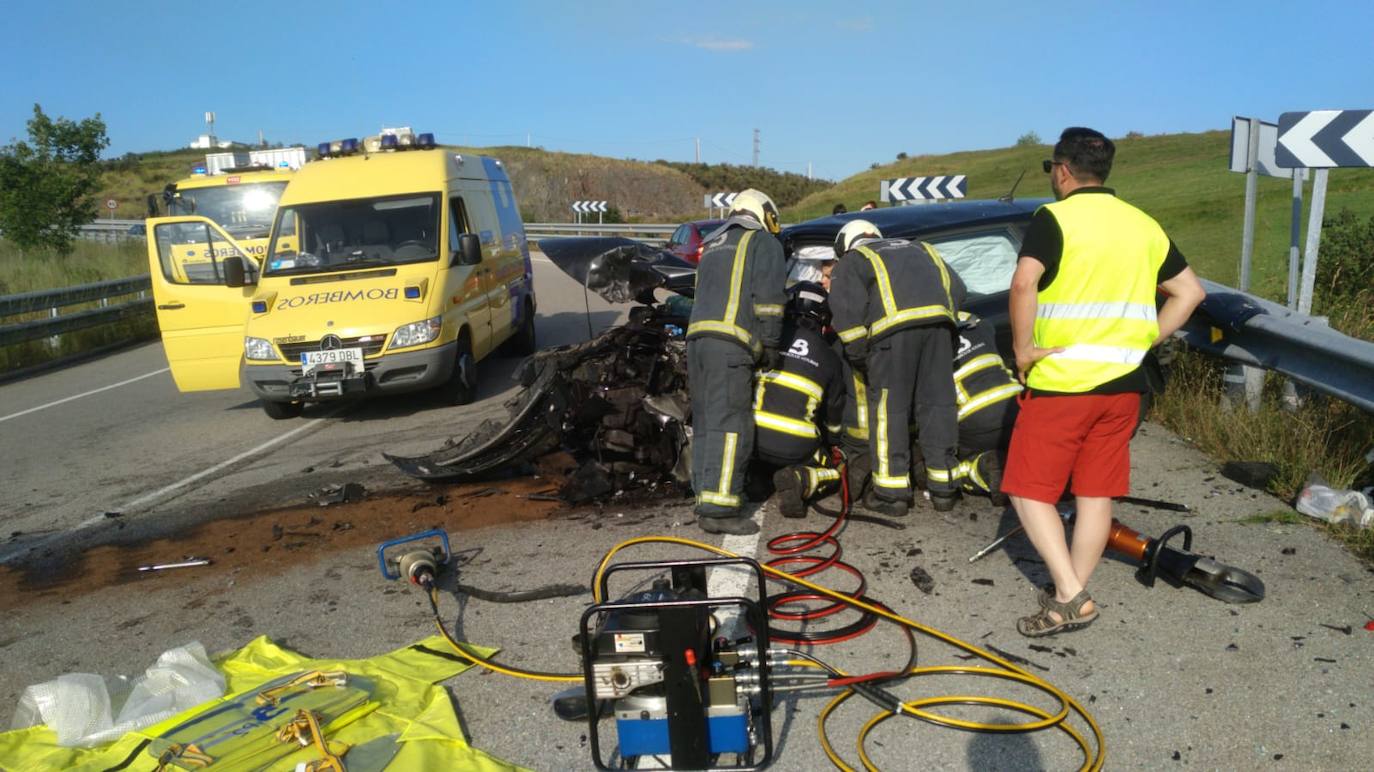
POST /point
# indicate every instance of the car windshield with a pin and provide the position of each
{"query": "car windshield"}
(243, 211)
(338, 235)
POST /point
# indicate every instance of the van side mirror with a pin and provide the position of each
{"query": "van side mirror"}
(469, 249)
(152, 205)
(235, 271)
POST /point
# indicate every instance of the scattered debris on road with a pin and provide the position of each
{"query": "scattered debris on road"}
(330, 495)
(188, 563)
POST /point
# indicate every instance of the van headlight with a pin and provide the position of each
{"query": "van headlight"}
(258, 348)
(415, 333)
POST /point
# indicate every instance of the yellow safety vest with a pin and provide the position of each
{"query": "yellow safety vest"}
(1101, 304)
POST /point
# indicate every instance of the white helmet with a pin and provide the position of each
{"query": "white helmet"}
(852, 232)
(759, 206)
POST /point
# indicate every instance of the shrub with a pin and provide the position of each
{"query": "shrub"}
(1029, 139)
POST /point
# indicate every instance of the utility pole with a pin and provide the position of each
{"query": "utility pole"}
(261, 142)
(698, 141)
(808, 171)
(527, 139)
(756, 147)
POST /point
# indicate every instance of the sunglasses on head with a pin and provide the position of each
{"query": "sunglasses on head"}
(1047, 164)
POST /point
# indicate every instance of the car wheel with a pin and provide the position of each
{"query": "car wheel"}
(461, 386)
(280, 411)
(523, 342)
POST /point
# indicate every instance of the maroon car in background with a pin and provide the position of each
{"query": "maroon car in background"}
(686, 240)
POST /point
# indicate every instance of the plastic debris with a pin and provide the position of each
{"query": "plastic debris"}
(85, 709)
(1331, 505)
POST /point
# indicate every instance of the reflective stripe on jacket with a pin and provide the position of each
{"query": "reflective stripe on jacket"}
(1101, 304)
(981, 376)
(886, 285)
(739, 289)
(792, 404)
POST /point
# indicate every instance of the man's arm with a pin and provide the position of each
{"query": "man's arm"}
(1023, 304)
(1185, 294)
(770, 277)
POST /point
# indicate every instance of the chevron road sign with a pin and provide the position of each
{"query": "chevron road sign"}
(587, 207)
(923, 188)
(718, 200)
(1323, 139)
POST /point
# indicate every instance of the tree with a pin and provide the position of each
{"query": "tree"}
(47, 184)
(901, 156)
(1029, 139)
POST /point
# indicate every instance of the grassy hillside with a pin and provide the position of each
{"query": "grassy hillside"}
(1181, 179)
(546, 183)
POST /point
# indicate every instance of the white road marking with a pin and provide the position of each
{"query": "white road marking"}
(167, 490)
(734, 581)
(82, 394)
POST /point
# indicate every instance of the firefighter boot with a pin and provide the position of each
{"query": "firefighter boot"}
(790, 486)
(944, 502)
(857, 467)
(888, 507)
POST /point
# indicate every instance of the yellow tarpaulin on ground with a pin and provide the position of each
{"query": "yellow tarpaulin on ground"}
(408, 722)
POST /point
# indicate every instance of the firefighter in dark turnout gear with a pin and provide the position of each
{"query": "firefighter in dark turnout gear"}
(735, 326)
(985, 391)
(894, 303)
(799, 406)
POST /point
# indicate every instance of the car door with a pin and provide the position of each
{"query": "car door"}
(201, 319)
(470, 283)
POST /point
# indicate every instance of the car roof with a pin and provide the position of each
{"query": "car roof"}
(916, 221)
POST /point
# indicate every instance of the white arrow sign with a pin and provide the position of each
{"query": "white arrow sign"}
(1323, 139)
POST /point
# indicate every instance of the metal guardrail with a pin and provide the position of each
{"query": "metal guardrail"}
(649, 233)
(110, 231)
(57, 324)
(1244, 328)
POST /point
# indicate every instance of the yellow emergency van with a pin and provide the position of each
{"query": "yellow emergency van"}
(393, 265)
(239, 192)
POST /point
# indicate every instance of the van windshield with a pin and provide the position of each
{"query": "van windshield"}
(365, 232)
(244, 211)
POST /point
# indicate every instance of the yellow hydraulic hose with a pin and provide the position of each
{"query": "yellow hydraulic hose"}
(1092, 760)
(495, 667)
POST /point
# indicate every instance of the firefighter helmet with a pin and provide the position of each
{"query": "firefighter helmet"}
(853, 231)
(806, 303)
(759, 206)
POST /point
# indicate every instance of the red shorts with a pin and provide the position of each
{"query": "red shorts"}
(1086, 437)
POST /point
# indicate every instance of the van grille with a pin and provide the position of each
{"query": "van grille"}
(292, 351)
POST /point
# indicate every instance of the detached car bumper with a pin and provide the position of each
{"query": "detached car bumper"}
(389, 374)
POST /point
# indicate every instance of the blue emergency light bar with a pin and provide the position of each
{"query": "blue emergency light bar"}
(342, 147)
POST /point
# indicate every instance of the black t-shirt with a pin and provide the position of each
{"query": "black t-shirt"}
(1044, 243)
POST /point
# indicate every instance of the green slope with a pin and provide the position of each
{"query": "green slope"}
(1181, 179)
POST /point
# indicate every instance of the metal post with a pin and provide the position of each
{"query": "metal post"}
(1295, 240)
(1290, 391)
(1247, 239)
(1314, 239)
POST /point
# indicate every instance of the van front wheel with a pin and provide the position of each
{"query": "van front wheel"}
(461, 386)
(280, 411)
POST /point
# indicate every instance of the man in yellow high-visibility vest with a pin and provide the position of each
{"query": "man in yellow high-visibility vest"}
(1083, 317)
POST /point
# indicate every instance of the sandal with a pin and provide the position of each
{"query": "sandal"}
(1071, 617)
(1044, 594)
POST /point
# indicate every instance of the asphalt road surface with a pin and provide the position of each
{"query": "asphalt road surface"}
(1173, 677)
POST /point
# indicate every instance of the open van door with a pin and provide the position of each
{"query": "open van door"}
(201, 318)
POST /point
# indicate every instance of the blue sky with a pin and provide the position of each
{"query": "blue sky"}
(836, 85)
